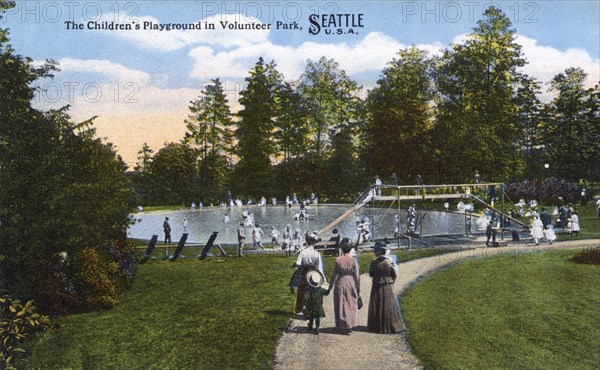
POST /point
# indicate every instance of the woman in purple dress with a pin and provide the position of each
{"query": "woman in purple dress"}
(346, 284)
(384, 311)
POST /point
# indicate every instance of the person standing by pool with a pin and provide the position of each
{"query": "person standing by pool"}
(287, 240)
(257, 235)
(274, 236)
(167, 230)
(384, 311)
(185, 225)
(346, 284)
(488, 233)
(378, 184)
(241, 235)
(297, 240)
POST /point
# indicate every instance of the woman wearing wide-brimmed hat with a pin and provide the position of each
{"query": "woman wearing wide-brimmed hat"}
(346, 284)
(384, 311)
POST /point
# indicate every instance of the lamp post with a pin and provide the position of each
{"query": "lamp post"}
(546, 169)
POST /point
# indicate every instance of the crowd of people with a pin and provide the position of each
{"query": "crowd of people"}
(288, 202)
(310, 285)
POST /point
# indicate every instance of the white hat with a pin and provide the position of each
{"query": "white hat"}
(314, 278)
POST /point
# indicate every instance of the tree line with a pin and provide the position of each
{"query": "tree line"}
(444, 118)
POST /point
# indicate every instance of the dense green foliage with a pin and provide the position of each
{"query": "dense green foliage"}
(17, 322)
(402, 117)
(61, 188)
(573, 127)
(524, 310)
(254, 173)
(470, 109)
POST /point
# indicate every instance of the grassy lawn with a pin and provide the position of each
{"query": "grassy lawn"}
(221, 313)
(531, 310)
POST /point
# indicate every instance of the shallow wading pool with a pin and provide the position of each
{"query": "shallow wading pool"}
(202, 222)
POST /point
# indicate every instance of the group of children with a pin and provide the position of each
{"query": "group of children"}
(538, 231)
(290, 241)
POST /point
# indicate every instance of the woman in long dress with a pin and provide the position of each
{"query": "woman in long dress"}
(384, 311)
(537, 230)
(309, 259)
(346, 284)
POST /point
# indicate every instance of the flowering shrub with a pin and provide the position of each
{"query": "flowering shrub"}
(55, 292)
(17, 322)
(96, 275)
(104, 274)
(547, 191)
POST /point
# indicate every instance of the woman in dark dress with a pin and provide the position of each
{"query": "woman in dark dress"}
(384, 311)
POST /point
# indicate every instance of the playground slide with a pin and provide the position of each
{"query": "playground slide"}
(355, 208)
(493, 209)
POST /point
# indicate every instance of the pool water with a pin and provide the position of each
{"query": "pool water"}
(202, 222)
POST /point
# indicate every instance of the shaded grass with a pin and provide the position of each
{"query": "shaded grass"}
(220, 313)
(528, 310)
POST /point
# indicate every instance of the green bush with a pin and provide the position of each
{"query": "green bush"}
(17, 321)
(588, 256)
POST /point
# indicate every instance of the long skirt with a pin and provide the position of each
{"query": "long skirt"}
(302, 288)
(384, 311)
(345, 298)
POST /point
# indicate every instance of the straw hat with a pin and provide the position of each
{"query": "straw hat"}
(314, 278)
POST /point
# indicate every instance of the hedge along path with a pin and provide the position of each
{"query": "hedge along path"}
(300, 349)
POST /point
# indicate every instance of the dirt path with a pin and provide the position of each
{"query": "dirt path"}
(299, 349)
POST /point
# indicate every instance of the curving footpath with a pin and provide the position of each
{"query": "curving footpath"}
(299, 349)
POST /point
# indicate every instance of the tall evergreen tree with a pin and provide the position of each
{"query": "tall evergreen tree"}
(253, 175)
(478, 127)
(530, 119)
(144, 158)
(209, 130)
(291, 123)
(209, 123)
(401, 117)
